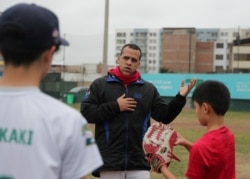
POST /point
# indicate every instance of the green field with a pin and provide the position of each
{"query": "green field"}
(187, 124)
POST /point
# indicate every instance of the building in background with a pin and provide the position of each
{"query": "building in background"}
(178, 46)
(240, 56)
(187, 50)
(225, 52)
(83, 74)
(173, 50)
(207, 34)
(221, 56)
(204, 57)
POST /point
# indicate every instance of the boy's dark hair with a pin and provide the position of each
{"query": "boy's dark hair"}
(133, 46)
(13, 51)
(215, 94)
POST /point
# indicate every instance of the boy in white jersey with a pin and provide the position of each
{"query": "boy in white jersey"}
(40, 137)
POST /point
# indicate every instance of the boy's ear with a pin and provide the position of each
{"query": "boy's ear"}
(48, 55)
(205, 107)
(46, 60)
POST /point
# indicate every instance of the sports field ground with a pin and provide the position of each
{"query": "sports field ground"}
(187, 124)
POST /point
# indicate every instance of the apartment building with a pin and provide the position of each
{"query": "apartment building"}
(221, 56)
(247, 33)
(178, 49)
(188, 50)
(207, 34)
(240, 56)
(227, 48)
(204, 57)
(222, 39)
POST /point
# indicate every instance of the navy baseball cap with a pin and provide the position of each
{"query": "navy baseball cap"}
(38, 26)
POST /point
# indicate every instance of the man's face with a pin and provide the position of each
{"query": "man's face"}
(129, 61)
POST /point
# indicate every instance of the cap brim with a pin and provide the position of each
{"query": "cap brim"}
(64, 42)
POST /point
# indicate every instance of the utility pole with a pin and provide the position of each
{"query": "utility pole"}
(238, 44)
(105, 39)
(190, 55)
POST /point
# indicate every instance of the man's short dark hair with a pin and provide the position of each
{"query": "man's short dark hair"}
(133, 46)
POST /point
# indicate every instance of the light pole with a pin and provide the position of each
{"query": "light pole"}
(105, 39)
(189, 60)
(238, 43)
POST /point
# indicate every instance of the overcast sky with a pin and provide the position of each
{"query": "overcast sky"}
(82, 21)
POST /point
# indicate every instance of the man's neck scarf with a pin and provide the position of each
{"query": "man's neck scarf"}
(126, 79)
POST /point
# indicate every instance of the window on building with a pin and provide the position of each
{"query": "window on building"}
(219, 57)
(218, 68)
(219, 45)
(120, 34)
(242, 57)
(235, 34)
(140, 34)
(143, 55)
(120, 41)
(214, 34)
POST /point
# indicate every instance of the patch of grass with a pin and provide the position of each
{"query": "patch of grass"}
(188, 126)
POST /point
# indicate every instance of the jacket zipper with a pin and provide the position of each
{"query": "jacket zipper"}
(126, 138)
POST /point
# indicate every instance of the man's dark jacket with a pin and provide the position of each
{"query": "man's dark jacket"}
(119, 134)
